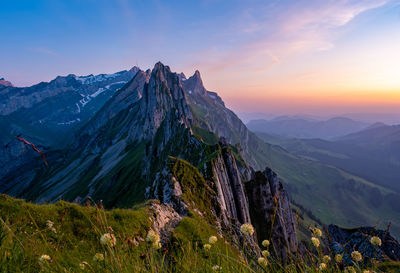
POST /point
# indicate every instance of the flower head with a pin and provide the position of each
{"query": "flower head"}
(322, 266)
(265, 253)
(315, 241)
(49, 224)
(356, 256)
(338, 258)
(207, 246)
(376, 241)
(265, 243)
(44, 258)
(247, 229)
(98, 257)
(108, 239)
(217, 268)
(152, 237)
(82, 266)
(262, 261)
(317, 232)
(326, 259)
(212, 240)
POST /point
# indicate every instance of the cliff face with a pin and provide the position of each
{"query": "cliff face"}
(231, 193)
(271, 213)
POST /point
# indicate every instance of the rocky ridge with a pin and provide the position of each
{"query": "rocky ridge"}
(123, 154)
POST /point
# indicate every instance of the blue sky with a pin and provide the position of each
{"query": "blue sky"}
(265, 56)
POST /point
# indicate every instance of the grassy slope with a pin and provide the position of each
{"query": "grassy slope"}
(368, 155)
(334, 196)
(24, 237)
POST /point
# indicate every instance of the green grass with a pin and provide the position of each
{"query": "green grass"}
(206, 136)
(196, 192)
(74, 240)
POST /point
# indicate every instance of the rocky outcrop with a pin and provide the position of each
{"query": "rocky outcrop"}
(226, 199)
(271, 213)
(344, 241)
(230, 187)
(164, 219)
(262, 201)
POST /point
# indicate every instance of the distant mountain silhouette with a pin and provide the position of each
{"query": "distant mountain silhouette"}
(299, 127)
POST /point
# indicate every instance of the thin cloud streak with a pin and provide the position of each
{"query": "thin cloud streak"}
(43, 50)
(302, 28)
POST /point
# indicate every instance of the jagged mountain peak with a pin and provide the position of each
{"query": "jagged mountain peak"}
(135, 69)
(195, 84)
(163, 73)
(197, 74)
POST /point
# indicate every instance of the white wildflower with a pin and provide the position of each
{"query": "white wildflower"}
(108, 239)
(247, 229)
(213, 239)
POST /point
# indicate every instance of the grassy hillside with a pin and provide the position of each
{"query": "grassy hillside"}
(65, 237)
(74, 239)
(373, 154)
(333, 195)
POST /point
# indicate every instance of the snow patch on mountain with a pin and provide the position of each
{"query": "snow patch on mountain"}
(86, 99)
(98, 92)
(96, 78)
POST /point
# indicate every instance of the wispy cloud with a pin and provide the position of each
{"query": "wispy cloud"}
(277, 32)
(43, 50)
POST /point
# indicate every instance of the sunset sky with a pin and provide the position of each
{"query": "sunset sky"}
(281, 57)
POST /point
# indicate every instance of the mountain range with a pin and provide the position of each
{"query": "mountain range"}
(372, 153)
(138, 134)
(300, 127)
